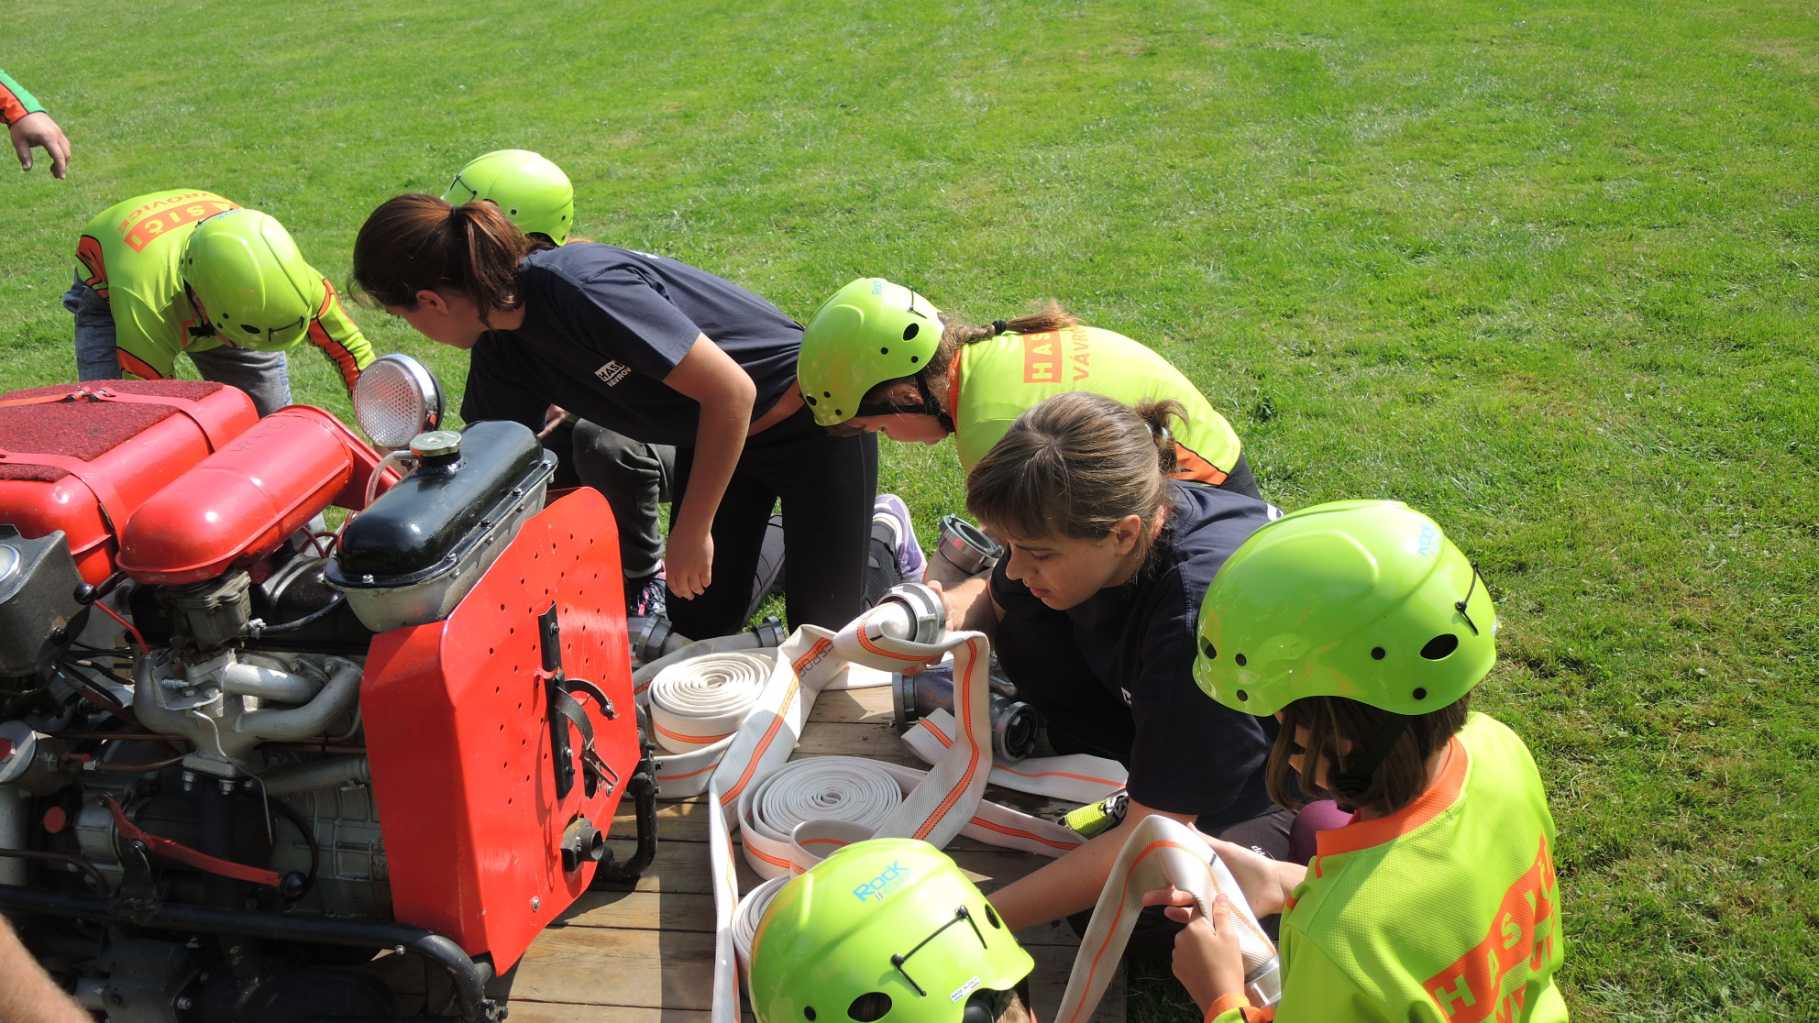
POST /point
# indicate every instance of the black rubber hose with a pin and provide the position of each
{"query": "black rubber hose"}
(309, 619)
(469, 977)
(315, 853)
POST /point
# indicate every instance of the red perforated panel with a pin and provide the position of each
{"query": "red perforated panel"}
(458, 735)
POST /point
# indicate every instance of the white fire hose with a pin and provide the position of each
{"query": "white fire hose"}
(1162, 852)
(1074, 777)
(701, 701)
(790, 815)
(819, 809)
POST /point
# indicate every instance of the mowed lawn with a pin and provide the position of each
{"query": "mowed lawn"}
(1544, 271)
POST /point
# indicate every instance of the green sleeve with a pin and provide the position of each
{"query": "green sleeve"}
(15, 102)
(337, 337)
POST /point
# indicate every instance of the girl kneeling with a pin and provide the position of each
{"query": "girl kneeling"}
(1092, 613)
(1363, 629)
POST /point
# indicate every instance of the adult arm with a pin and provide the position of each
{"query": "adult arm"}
(725, 393)
(30, 126)
(29, 995)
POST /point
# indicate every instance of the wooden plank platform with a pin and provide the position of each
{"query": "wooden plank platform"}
(645, 953)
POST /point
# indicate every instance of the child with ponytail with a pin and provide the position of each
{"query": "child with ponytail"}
(879, 357)
(1092, 612)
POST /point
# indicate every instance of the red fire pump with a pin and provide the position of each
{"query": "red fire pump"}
(250, 769)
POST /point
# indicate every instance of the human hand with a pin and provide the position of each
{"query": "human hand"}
(959, 599)
(689, 562)
(1208, 961)
(39, 130)
(1266, 883)
(553, 417)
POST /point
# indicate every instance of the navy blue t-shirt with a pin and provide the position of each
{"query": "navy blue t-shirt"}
(1189, 754)
(603, 326)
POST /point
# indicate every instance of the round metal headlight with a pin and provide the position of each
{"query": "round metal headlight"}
(395, 399)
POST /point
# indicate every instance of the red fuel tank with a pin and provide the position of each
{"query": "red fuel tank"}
(83, 457)
(245, 499)
(458, 731)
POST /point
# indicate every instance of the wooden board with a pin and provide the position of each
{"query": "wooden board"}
(644, 953)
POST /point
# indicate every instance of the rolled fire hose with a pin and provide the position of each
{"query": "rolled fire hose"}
(1160, 852)
(903, 630)
(699, 702)
(751, 911)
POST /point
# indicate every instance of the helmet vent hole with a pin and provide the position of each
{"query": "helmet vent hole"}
(1240, 660)
(249, 328)
(827, 394)
(1420, 694)
(909, 332)
(884, 351)
(915, 358)
(514, 211)
(808, 1012)
(1440, 646)
(1376, 653)
(1243, 696)
(811, 399)
(868, 1008)
(991, 917)
(1207, 648)
(840, 412)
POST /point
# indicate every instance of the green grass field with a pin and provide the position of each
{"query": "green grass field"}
(1544, 271)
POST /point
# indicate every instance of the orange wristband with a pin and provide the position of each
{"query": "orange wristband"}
(1225, 1003)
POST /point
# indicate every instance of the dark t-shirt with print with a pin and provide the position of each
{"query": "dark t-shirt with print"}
(603, 326)
(1189, 754)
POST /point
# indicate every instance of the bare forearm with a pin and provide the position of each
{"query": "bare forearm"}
(719, 440)
(1069, 884)
(28, 994)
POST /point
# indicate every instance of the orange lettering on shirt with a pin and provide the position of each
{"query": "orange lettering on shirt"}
(1080, 357)
(1472, 988)
(1041, 362)
(138, 233)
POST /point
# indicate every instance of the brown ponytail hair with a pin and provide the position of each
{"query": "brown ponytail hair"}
(417, 242)
(955, 333)
(1075, 466)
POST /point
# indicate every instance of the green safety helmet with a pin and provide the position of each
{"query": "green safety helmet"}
(250, 282)
(870, 331)
(532, 191)
(1362, 599)
(888, 925)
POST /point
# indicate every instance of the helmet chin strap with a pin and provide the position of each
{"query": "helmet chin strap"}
(932, 407)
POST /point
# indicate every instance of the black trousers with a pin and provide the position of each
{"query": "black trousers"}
(826, 485)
